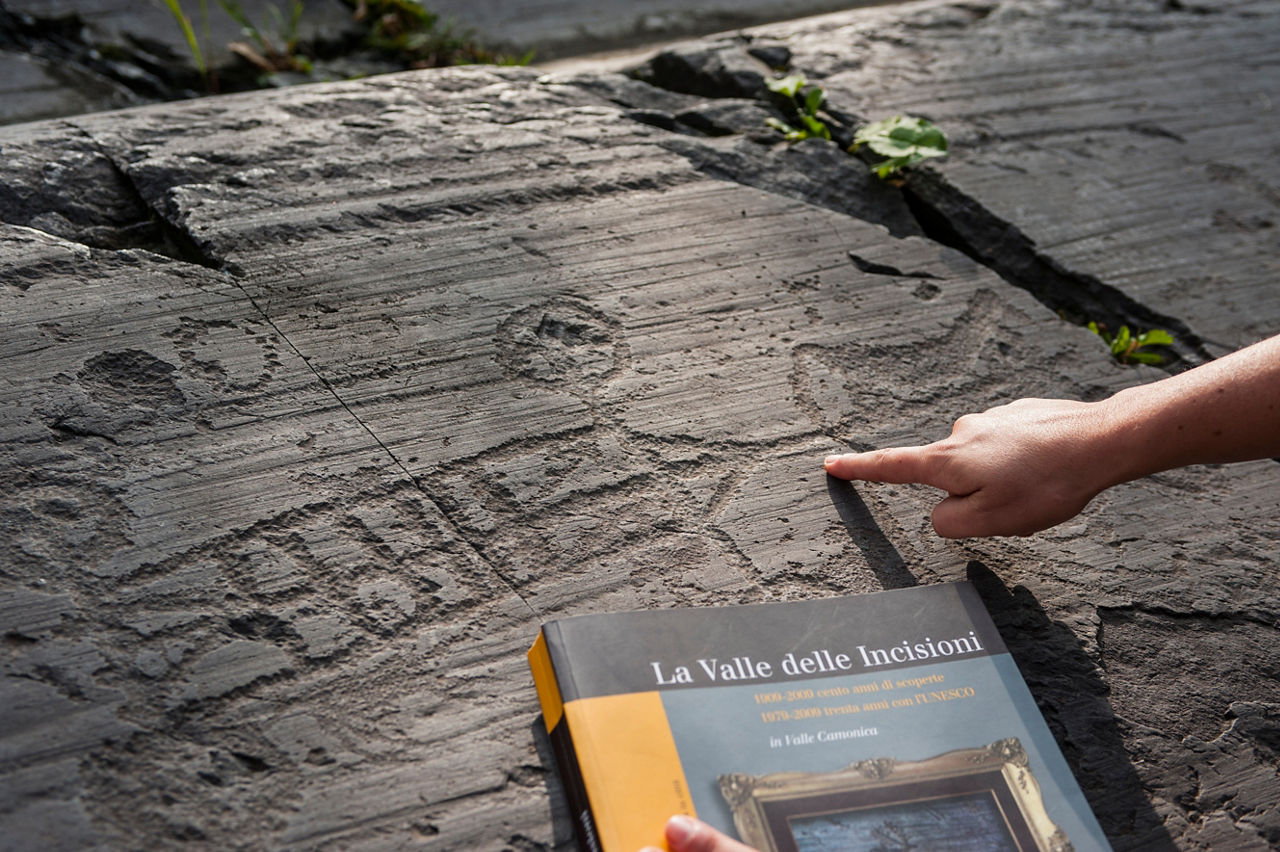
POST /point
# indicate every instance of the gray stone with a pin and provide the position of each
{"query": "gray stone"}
(1122, 182)
(233, 665)
(24, 613)
(34, 89)
(40, 810)
(316, 403)
(42, 725)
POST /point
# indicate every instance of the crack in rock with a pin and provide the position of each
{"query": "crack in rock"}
(726, 139)
(873, 268)
(178, 242)
(948, 216)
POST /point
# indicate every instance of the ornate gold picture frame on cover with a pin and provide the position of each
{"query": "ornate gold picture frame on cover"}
(978, 798)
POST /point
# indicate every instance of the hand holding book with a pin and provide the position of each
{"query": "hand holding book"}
(824, 723)
(685, 834)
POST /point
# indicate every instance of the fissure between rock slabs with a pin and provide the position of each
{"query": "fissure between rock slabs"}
(181, 245)
(954, 219)
(166, 238)
(941, 211)
(123, 217)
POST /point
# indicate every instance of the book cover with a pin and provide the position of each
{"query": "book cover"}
(894, 720)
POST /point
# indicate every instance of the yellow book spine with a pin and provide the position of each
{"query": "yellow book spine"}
(630, 768)
(544, 678)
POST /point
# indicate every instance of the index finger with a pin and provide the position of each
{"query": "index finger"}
(893, 464)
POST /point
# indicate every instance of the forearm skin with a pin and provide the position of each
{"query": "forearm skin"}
(1225, 411)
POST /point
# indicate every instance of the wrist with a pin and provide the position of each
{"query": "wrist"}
(1128, 445)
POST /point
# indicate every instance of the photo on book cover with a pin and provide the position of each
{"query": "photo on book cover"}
(977, 798)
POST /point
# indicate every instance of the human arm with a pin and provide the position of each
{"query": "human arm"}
(1025, 466)
(685, 834)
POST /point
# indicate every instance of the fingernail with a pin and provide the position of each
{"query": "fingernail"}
(830, 461)
(680, 829)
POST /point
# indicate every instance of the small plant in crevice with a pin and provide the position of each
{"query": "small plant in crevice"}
(1128, 347)
(803, 102)
(904, 139)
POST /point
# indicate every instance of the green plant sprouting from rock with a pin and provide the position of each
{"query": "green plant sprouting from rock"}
(903, 140)
(803, 101)
(1128, 347)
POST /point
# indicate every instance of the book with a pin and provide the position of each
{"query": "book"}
(894, 720)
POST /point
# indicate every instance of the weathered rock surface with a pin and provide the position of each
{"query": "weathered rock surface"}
(316, 403)
(1130, 143)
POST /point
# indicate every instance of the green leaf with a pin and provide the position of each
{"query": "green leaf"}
(815, 127)
(1126, 346)
(1155, 337)
(789, 86)
(236, 12)
(906, 140)
(789, 133)
(902, 133)
(891, 165)
(184, 24)
(295, 18)
(813, 100)
(931, 141)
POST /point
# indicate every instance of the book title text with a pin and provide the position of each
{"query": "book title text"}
(817, 662)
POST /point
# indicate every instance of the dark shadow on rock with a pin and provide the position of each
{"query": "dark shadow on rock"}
(1073, 699)
(881, 555)
(561, 818)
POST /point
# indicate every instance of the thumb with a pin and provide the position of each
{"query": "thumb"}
(685, 834)
(895, 465)
(957, 517)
